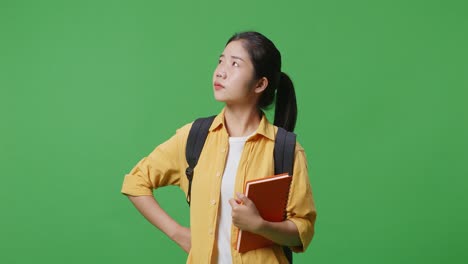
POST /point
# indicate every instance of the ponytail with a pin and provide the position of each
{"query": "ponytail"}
(285, 106)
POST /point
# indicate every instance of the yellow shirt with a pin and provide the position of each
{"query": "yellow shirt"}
(166, 166)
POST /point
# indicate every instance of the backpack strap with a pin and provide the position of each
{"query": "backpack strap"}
(195, 142)
(285, 145)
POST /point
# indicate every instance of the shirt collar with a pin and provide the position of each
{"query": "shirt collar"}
(265, 128)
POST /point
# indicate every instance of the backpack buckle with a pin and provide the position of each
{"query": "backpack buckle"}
(189, 173)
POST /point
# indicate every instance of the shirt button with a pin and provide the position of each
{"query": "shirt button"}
(218, 174)
(223, 150)
(213, 202)
(210, 231)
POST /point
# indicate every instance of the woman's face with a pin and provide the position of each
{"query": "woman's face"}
(233, 78)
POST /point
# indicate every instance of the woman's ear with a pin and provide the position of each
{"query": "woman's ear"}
(261, 85)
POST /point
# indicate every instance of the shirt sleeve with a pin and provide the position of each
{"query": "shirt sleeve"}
(163, 166)
(301, 207)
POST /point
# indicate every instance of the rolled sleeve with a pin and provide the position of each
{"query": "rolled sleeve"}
(162, 167)
(301, 207)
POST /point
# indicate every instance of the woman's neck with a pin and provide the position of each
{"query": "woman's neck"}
(241, 121)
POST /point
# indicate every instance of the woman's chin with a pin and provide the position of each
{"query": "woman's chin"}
(219, 98)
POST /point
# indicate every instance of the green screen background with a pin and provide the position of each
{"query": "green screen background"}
(87, 88)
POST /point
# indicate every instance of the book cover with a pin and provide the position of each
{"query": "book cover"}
(270, 196)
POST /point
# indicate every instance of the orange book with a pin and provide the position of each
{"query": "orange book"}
(270, 196)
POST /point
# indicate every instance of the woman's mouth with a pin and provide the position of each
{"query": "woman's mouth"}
(218, 86)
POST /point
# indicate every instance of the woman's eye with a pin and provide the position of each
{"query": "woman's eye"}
(235, 64)
(219, 61)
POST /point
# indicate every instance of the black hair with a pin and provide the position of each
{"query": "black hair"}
(266, 60)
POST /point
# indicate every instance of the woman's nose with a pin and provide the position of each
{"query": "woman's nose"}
(221, 74)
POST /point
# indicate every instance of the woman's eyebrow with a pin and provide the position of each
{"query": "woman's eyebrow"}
(234, 57)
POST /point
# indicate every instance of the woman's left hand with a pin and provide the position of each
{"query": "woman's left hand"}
(244, 214)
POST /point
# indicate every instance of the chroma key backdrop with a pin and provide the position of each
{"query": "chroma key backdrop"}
(88, 88)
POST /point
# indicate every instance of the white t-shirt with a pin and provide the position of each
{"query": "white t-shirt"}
(236, 145)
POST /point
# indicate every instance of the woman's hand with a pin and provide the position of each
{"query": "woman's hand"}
(150, 209)
(183, 237)
(245, 215)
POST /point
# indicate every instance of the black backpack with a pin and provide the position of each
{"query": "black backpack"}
(285, 144)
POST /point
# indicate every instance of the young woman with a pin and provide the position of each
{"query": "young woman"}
(238, 148)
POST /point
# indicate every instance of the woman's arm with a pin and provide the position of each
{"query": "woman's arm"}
(150, 209)
(246, 217)
(284, 233)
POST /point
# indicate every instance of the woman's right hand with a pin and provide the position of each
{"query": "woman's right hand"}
(183, 238)
(150, 209)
